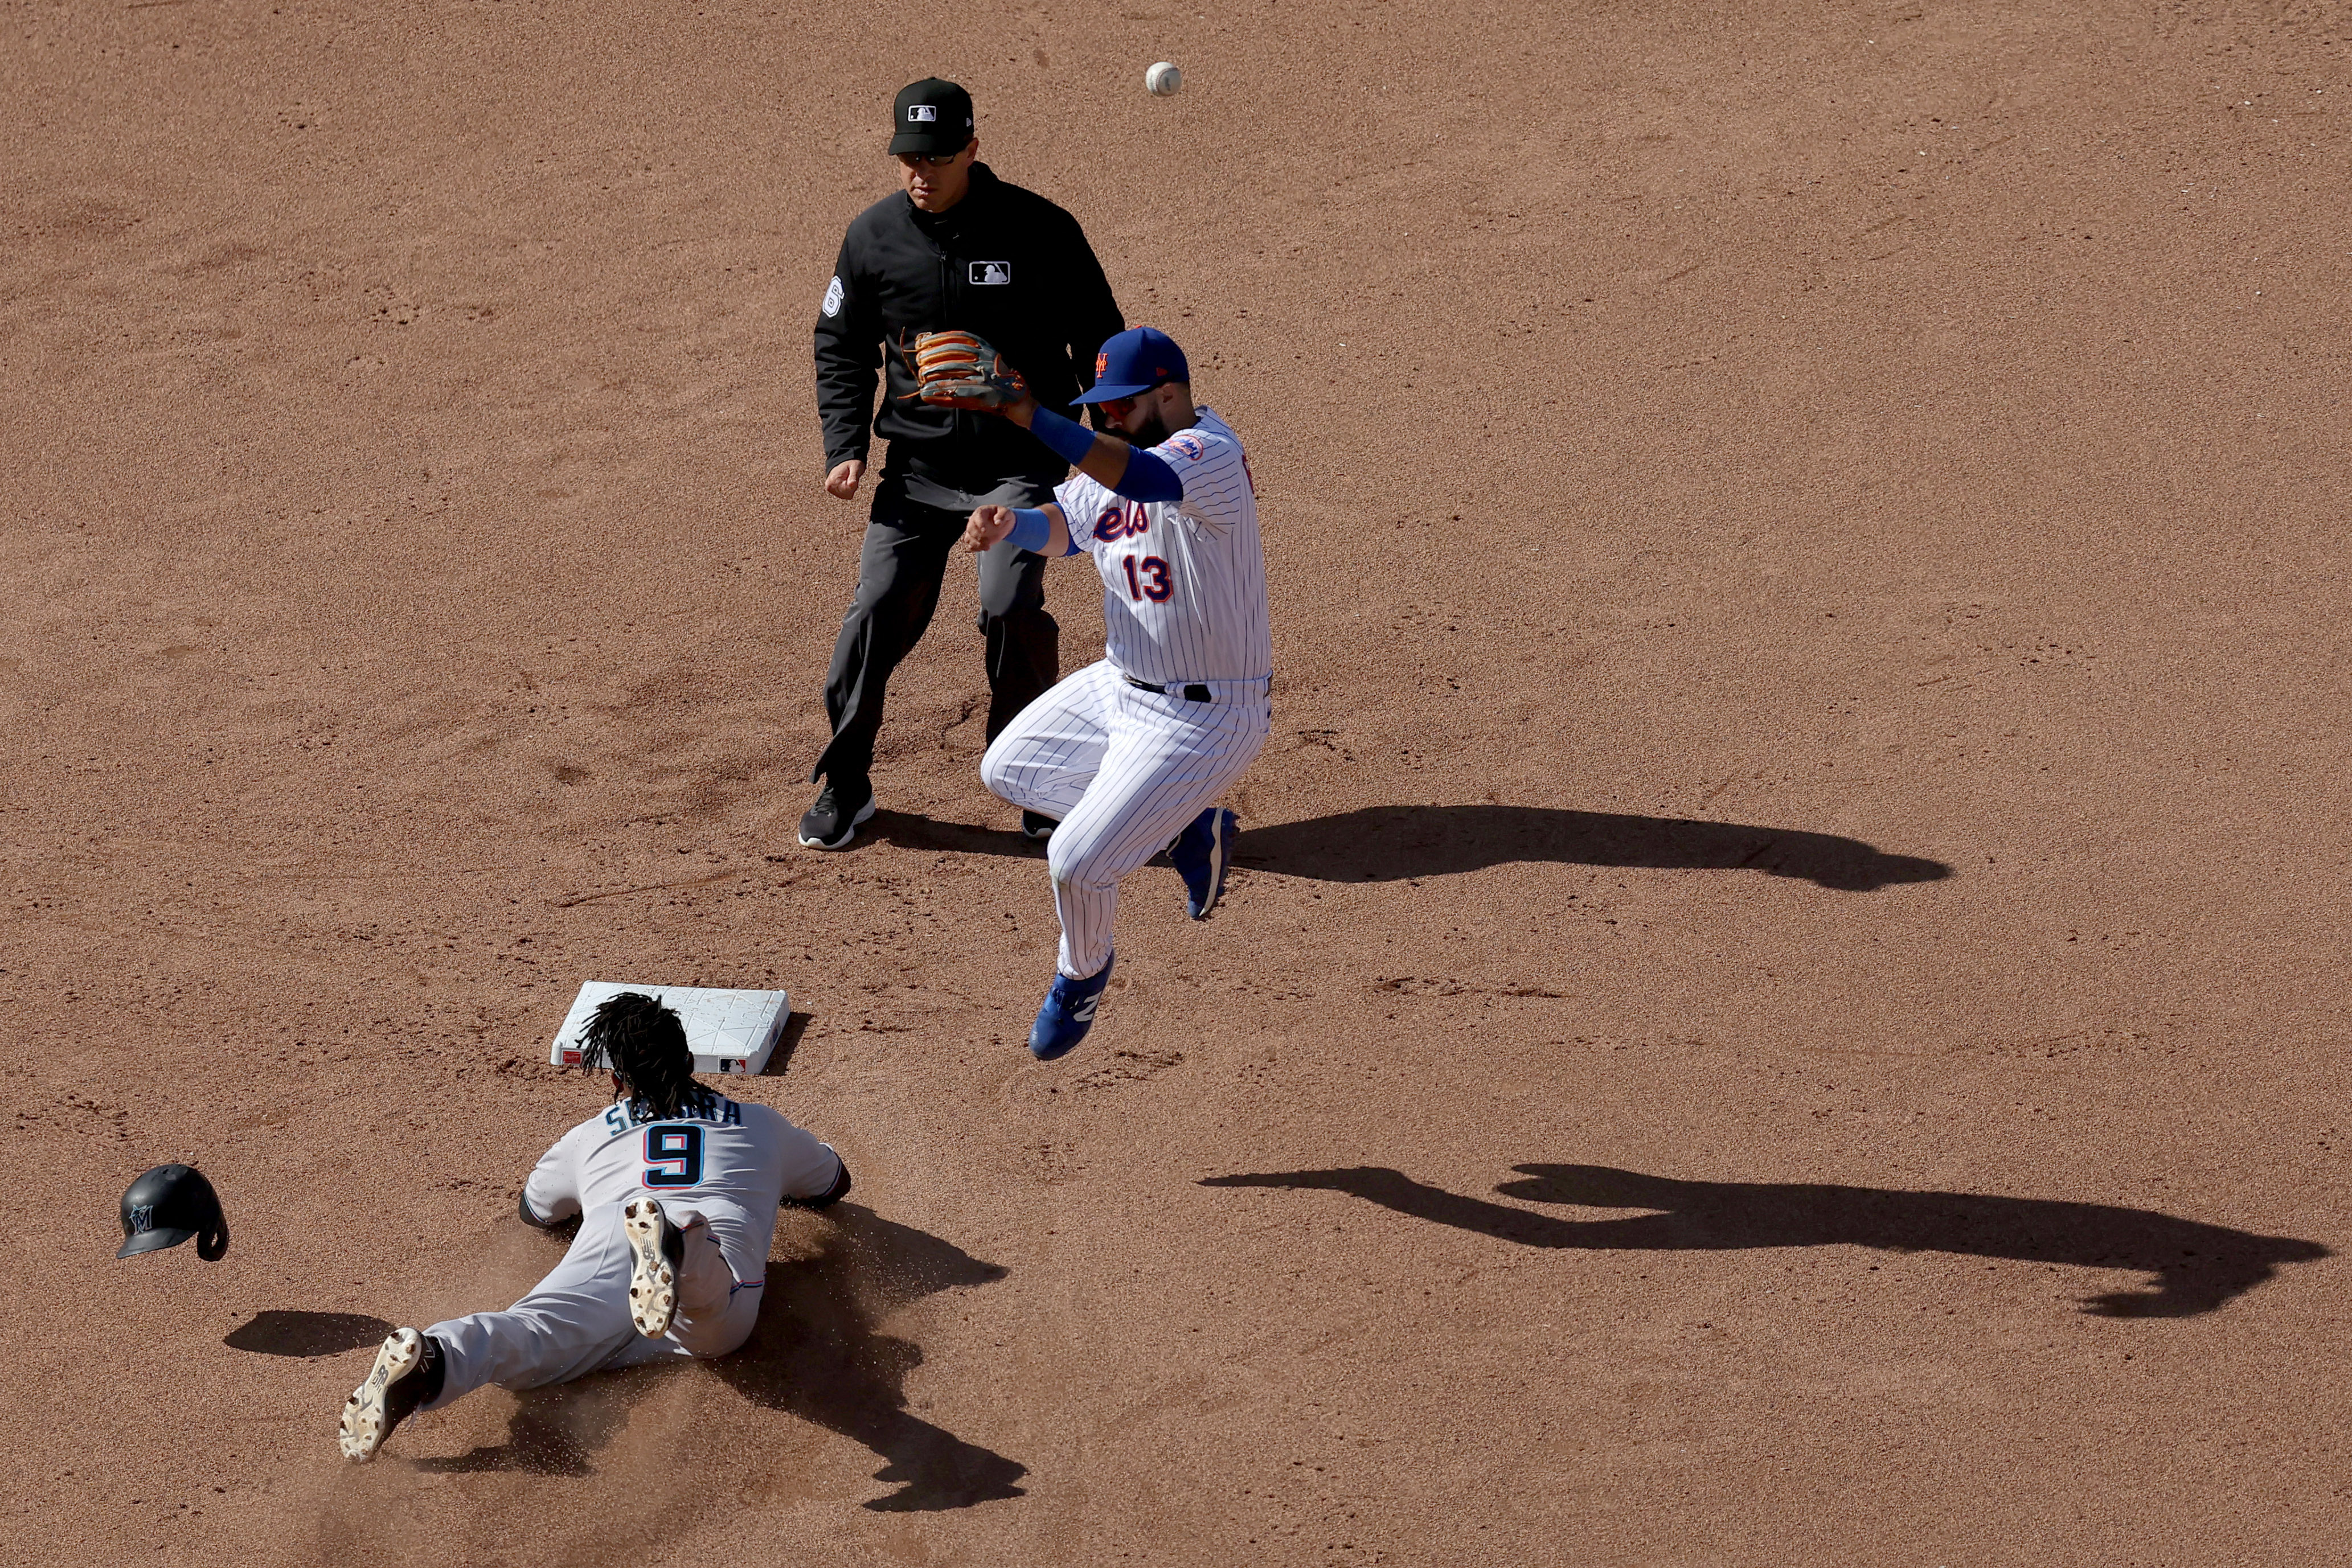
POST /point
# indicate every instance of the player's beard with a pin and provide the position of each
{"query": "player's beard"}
(1150, 432)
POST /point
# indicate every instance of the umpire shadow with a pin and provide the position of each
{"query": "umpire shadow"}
(2195, 1267)
(1389, 843)
(819, 1354)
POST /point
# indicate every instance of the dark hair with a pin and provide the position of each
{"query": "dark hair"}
(636, 1037)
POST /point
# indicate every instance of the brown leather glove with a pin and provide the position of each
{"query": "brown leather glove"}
(963, 369)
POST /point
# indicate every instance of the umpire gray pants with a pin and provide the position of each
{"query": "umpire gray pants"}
(899, 572)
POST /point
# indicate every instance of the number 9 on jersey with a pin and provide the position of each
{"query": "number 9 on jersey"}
(673, 1156)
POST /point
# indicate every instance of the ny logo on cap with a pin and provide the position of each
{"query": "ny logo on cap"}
(922, 111)
(1102, 366)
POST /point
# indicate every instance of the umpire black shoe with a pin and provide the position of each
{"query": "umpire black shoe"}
(1038, 826)
(833, 821)
(407, 1377)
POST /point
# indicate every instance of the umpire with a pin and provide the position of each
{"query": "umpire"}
(955, 248)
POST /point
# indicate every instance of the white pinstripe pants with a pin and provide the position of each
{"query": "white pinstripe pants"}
(1124, 770)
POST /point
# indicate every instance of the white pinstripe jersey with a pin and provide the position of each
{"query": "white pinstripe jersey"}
(1183, 581)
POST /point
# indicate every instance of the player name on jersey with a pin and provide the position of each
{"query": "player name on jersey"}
(727, 1031)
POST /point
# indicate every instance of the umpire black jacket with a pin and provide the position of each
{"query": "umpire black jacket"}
(1004, 263)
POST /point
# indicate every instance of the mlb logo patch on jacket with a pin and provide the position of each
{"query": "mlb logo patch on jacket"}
(988, 272)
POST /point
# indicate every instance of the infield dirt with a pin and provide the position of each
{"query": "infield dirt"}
(1785, 998)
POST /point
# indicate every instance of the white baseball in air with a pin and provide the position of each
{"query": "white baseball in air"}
(1162, 81)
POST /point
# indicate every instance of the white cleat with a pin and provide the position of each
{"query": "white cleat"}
(653, 1281)
(381, 1402)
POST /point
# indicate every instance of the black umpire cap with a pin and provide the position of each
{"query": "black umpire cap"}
(932, 119)
(167, 1206)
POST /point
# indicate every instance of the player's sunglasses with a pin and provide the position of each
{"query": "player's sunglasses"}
(1117, 407)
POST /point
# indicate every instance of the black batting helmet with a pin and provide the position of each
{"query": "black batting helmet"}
(167, 1206)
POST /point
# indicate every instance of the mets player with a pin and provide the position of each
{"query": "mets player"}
(676, 1190)
(1132, 753)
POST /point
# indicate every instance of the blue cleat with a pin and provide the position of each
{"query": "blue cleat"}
(1069, 1013)
(1201, 853)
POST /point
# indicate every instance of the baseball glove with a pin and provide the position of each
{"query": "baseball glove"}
(963, 369)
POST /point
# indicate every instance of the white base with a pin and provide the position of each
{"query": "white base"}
(728, 1032)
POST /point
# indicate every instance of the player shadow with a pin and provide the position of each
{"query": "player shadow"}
(1392, 844)
(307, 1333)
(819, 1354)
(2193, 1267)
(555, 1430)
(816, 1352)
(911, 831)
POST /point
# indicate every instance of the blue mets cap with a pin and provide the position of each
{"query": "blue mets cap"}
(1134, 361)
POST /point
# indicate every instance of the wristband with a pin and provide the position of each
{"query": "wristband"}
(1033, 530)
(1069, 440)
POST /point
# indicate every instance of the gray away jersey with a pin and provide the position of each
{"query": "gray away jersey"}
(734, 1166)
(1183, 581)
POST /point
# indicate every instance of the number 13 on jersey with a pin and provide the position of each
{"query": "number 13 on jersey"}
(1147, 579)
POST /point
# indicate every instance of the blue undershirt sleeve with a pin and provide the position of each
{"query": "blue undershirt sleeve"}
(1149, 479)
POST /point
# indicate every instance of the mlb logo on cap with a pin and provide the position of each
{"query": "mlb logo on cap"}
(930, 119)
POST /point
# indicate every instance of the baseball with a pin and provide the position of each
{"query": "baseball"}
(1162, 79)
